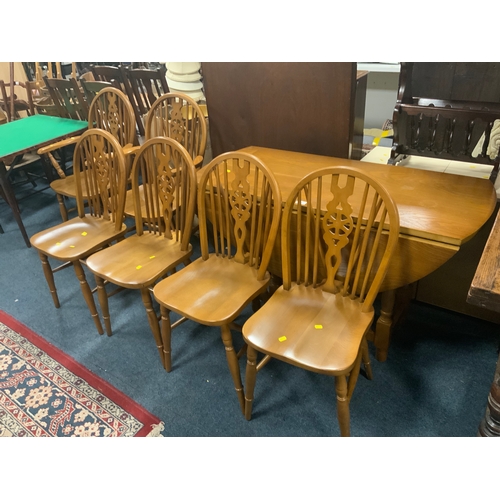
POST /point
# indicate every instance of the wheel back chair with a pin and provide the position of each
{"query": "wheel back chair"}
(339, 231)
(99, 167)
(239, 205)
(164, 215)
(110, 110)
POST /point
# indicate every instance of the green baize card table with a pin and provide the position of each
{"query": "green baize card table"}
(29, 134)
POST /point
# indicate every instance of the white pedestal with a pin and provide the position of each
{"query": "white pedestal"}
(186, 78)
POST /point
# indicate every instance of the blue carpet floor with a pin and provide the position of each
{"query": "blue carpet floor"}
(435, 382)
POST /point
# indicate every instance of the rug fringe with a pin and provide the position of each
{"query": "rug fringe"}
(156, 430)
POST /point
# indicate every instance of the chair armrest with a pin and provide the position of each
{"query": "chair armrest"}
(129, 149)
(198, 161)
(57, 145)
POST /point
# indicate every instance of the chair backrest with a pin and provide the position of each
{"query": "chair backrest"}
(111, 110)
(92, 88)
(11, 104)
(240, 198)
(67, 97)
(164, 189)
(178, 116)
(99, 165)
(147, 85)
(343, 236)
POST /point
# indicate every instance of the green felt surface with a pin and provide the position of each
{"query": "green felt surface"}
(33, 131)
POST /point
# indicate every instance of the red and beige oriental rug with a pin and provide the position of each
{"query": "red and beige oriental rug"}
(44, 392)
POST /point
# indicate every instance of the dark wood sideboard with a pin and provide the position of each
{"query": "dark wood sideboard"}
(315, 108)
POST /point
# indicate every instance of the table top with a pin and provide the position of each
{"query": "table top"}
(440, 207)
(26, 134)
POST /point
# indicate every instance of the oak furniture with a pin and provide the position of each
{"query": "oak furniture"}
(438, 213)
(236, 198)
(484, 292)
(67, 98)
(308, 106)
(444, 109)
(110, 111)
(146, 86)
(92, 88)
(27, 135)
(164, 210)
(179, 117)
(336, 249)
(99, 165)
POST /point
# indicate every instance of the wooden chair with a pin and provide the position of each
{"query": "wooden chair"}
(11, 104)
(92, 88)
(99, 164)
(111, 111)
(166, 173)
(118, 76)
(179, 117)
(237, 200)
(318, 325)
(146, 85)
(68, 98)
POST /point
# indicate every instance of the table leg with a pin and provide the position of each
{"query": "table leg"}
(10, 198)
(384, 324)
(47, 167)
(490, 425)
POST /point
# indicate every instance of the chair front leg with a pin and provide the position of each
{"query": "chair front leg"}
(49, 277)
(342, 405)
(62, 207)
(166, 338)
(366, 359)
(234, 367)
(103, 302)
(87, 295)
(153, 322)
(250, 378)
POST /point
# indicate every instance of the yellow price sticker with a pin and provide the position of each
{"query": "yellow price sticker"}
(84, 233)
(138, 267)
(318, 327)
(152, 256)
(72, 246)
(282, 339)
(58, 244)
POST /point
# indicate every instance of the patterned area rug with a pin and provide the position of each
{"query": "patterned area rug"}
(44, 392)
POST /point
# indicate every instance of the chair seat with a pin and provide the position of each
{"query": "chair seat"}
(138, 261)
(76, 238)
(212, 292)
(309, 328)
(67, 187)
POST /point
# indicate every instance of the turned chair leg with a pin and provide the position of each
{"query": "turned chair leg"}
(232, 361)
(49, 277)
(153, 322)
(166, 338)
(87, 295)
(250, 378)
(62, 207)
(342, 405)
(103, 303)
(366, 359)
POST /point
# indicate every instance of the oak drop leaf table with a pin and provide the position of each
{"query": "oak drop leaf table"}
(438, 213)
(29, 134)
